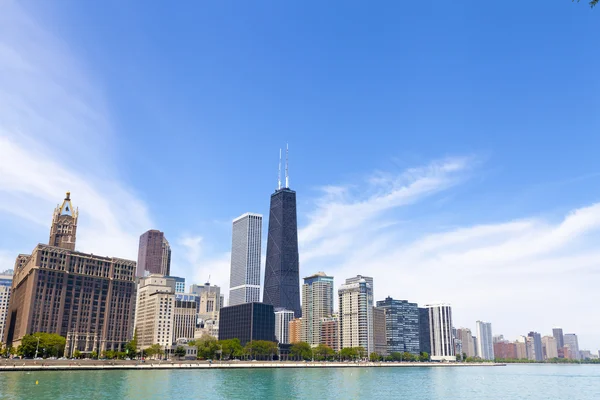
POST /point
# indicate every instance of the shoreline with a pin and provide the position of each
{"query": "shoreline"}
(21, 366)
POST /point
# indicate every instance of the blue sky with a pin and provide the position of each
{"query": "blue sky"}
(448, 149)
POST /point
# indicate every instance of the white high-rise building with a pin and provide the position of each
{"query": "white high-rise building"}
(356, 315)
(282, 325)
(244, 283)
(317, 303)
(5, 285)
(485, 340)
(441, 339)
(155, 311)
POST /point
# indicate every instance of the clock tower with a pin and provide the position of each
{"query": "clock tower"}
(64, 225)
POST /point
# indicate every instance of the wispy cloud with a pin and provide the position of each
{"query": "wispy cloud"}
(55, 135)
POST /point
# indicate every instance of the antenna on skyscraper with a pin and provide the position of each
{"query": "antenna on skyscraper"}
(287, 176)
(279, 174)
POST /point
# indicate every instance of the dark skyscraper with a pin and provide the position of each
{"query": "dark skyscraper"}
(282, 275)
(154, 255)
(424, 331)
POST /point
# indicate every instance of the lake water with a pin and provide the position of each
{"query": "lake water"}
(572, 382)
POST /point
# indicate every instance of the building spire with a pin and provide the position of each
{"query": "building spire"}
(287, 176)
(279, 174)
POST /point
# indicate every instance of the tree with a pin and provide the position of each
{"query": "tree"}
(424, 356)
(406, 356)
(180, 352)
(323, 352)
(50, 345)
(94, 355)
(155, 350)
(131, 346)
(231, 348)
(207, 347)
(592, 3)
(261, 349)
(396, 356)
(76, 354)
(374, 357)
(301, 351)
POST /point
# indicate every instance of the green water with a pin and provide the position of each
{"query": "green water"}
(498, 383)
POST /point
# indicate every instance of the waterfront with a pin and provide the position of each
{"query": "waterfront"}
(573, 382)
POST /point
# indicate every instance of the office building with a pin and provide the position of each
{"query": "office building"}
(282, 325)
(247, 322)
(184, 320)
(244, 279)
(424, 331)
(379, 331)
(549, 347)
(330, 332)
(5, 284)
(505, 350)
(441, 339)
(485, 344)
(558, 335)
(572, 343)
(295, 330)
(209, 305)
(317, 303)
(468, 344)
(179, 284)
(154, 254)
(86, 298)
(402, 325)
(282, 276)
(356, 315)
(155, 311)
(585, 355)
(534, 346)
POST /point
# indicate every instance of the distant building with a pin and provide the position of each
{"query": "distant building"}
(154, 254)
(534, 346)
(585, 354)
(440, 321)
(5, 284)
(184, 320)
(402, 325)
(247, 322)
(424, 331)
(317, 303)
(244, 279)
(549, 347)
(282, 325)
(179, 284)
(209, 304)
(330, 332)
(468, 344)
(155, 311)
(485, 345)
(572, 343)
(356, 315)
(521, 344)
(379, 331)
(505, 351)
(86, 298)
(558, 335)
(295, 329)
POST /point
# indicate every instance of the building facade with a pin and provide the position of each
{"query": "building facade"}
(282, 273)
(154, 254)
(549, 347)
(155, 311)
(356, 315)
(317, 303)
(179, 284)
(184, 320)
(244, 279)
(86, 298)
(380, 343)
(282, 325)
(572, 343)
(295, 330)
(505, 350)
(424, 331)
(558, 335)
(330, 332)
(468, 344)
(441, 338)
(534, 347)
(5, 285)
(402, 325)
(485, 343)
(247, 322)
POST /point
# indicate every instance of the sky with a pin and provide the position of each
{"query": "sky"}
(448, 149)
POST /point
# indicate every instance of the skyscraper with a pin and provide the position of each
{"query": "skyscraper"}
(356, 315)
(5, 284)
(424, 331)
(558, 335)
(485, 343)
(549, 347)
(572, 343)
(282, 325)
(402, 325)
(468, 345)
(379, 331)
(154, 254)
(282, 277)
(155, 311)
(440, 321)
(244, 279)
(534, 346)
(317, 303)
(88, 299)
(247, 322)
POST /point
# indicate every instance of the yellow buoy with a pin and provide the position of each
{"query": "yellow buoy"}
(36, 382)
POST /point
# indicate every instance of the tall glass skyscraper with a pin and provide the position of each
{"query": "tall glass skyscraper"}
(282, 276)
(317, 303)
(244, 281)
(485, 345)
(401, 325)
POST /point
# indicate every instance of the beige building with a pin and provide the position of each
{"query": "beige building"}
(155, 310)
(521, 348)
(209, 305)
(317, 303)
(549, 347)
(295, 330)
(356, 315)
(379, 331)
(184, 320)
(468, 343)
(86, 298)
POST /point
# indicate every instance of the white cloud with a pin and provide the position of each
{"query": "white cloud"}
(522, 275)
(55, 136)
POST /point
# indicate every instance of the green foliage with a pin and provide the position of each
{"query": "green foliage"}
(179, 351)
(301, 351)
(131, 346)
(396, 356)
(323, 352)
(374, 357)
(50, 345)
(424, 356)
(207, 347)
(155, 350)
(406, 356)
(352, 353)
(232, 348)
(76, 354)
(592, 3)
(94, 355)
(261, 349)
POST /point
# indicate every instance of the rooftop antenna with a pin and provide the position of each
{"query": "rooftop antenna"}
(287, 176)
(279, 175)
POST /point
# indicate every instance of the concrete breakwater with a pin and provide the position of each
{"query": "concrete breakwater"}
(60, 365)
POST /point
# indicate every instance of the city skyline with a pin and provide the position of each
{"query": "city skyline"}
(442, 174)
